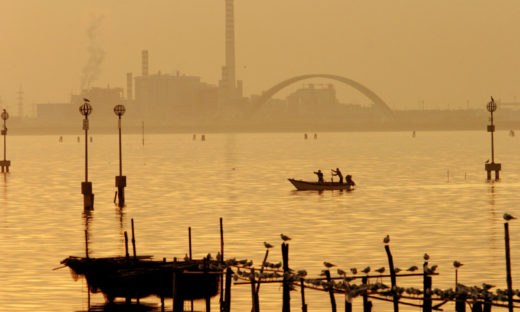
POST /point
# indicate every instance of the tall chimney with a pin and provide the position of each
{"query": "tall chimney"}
(129, 86)
(228, 71)
(144, 63)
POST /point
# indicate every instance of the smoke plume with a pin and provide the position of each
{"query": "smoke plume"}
(92, 68)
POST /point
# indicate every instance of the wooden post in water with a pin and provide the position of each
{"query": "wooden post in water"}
(178, 302)
(86, 243)
(189, 241)
(302, 288)
(477, 307)
(367, 305)
(508, 269)
(221, 301)
(206, 278)
(255, 305)
(262, 270)
(331, 291)
(392, 278)
(126, 246)
(427, 286)
(227, 297)
(133, 239)
(487, 306)
(460, 304)
(286, 307)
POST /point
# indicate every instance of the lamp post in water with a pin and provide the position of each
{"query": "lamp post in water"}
(5, 163)
(119, 110)
(492, 166)
(86, 187)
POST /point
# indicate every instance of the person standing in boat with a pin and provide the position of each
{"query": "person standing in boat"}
(338, 173)
(349, 181)
(320, 175)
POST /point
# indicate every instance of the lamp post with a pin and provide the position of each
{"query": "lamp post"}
(86, 187)
(5, 163)
(492, 107)
(119, 110)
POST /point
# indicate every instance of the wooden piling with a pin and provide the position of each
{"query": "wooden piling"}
(126, 246)
(255, 305)
(86, 244)
(262, 270)
(367, 305)
(460, 304)
(133, 239)
(331, 291)
(392, 278)
(178, 302)
(302, 289)
(227, 297)
(427, 286)
(508, 269)
(221, 300)
(487, 306)
(477, 307)
(286, 307)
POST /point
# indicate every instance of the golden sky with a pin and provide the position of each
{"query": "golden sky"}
(444, 52)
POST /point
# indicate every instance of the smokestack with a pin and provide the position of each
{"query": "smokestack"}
(228, 71)
(144, 62)
(129, 86)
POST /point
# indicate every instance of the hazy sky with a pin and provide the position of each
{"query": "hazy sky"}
(444, 52)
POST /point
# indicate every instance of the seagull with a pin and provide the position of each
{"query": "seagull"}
(433, 268)
(386, 240)
(397, 270)
(508, 217)
(380, 270)
(353, 270)
(487, 161)
(86, 100)
(412, 268)
(457, 264)
(487, 286)
(285, 237)
(328, 264)
(267, 245)
(341, 272)
(426, 257)
(366, 270)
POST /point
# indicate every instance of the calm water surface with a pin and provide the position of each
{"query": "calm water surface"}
(429, 193)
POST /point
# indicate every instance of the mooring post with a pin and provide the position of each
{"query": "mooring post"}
(255, 306)
(86, 186)
(227, 297)
(221, 300)
(133, 240)
(331, 291)
(460, 304)
(367, 305)
(427, 286)
(119, 110)
(491, 107)
(207, 297)
(508, 269)
(126, 246)
(487, 305)
(178, 302)
(5, 163)
(392, 277)
(189, 241)
(302, 289)
(286, 307)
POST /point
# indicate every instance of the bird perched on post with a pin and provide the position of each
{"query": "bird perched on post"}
(457, 264)
(412, 268)
(353, 270)
(380, 270)
(328, 264)
(341, 272)
(285, 237)
(267, 245)
(386, 240)
(366, 270)
(397, 270)
(508, 217)
(426, 257)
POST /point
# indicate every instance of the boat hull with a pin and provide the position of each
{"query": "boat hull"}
(319, 186)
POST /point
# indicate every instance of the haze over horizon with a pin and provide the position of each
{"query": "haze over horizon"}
(441, 52)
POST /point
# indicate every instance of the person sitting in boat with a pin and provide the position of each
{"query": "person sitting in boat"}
(349, 181)
(338, 173)
(320, 175)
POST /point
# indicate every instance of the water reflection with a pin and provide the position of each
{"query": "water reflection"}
(123, 307)
(87, 220)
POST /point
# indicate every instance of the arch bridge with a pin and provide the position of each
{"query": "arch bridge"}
(377, 101)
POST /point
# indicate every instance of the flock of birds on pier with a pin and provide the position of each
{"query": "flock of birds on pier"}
(343, 283)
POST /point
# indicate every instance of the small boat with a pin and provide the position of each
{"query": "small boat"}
(320, 186)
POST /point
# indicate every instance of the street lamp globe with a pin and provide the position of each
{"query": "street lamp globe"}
(491, 106)
(4, 115)
(85, 109)
(119, 110)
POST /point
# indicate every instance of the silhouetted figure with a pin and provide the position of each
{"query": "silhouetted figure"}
(77, 139)
(305, 136)
(61, 139)
(194, 137)
(91, 139)
(349, 181)
(315, 136)
(320, 175)
(203, 137)
(339, 174)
